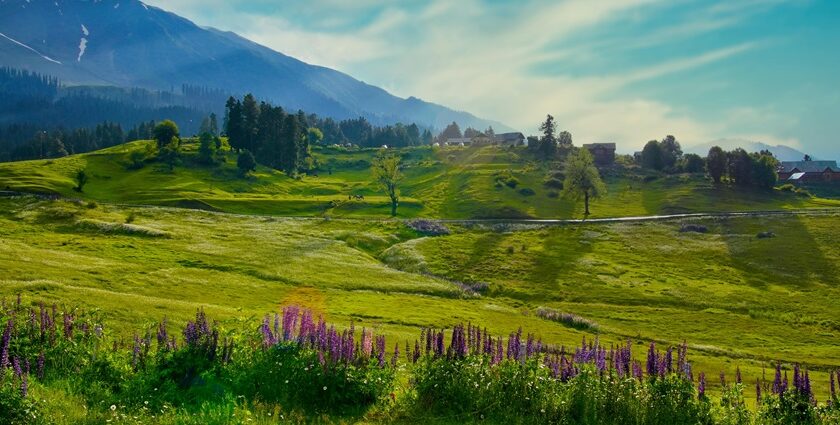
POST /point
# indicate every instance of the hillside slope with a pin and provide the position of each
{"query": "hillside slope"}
(126, 43)
(456, 183)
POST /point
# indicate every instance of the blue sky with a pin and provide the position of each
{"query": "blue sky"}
(609, 70)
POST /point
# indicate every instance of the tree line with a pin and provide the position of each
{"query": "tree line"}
(758, 169)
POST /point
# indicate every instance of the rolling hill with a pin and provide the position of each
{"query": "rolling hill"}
(125, 43)
(455, 183)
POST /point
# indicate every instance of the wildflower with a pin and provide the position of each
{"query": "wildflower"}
(113, 407)
(325, 387)
(701, 387)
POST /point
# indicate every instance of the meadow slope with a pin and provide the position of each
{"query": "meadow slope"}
(456, 183)
(739, 301)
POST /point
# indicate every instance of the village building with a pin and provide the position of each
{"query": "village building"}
(602, 153)
(510, 139)
(809, 171)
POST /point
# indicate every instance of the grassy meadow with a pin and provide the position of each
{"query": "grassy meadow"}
(143, 244)
(737, 300)
(453, 183)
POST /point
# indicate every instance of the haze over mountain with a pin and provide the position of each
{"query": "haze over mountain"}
(127, 43)
(781, 152)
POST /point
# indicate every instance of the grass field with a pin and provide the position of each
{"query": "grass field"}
(738, 300)
(454, 183)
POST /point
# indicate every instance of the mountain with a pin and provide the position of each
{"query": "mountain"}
(781, 152)
(126, 43)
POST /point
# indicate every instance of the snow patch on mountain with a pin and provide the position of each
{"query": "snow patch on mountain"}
(82, 48)
(29, 48)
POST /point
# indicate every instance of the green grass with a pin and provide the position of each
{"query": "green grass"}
(737, 300)
(458, 183)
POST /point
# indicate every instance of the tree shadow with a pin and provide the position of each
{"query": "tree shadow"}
(790, 257)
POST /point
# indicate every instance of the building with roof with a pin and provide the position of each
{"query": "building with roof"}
(510, 139)
(809, 171)
(602, 153)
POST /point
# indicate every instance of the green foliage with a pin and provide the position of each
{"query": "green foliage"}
(385, 169)
(170, 154)
(513, 392)
(652, 156)
(293, 377)
(165, 134)
(716, 163)
(692, 163)
(505, 178)
(81, 179)
(207, 150)
(582, 178)
(246, 163)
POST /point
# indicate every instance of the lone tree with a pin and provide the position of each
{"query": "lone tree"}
(246, 162)
(165, 132)
(716, 163)
(582, 179)
(548, 142)
(81, 179)
(652, 156)
(386, 171)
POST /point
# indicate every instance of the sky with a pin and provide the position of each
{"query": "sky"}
(624, 71)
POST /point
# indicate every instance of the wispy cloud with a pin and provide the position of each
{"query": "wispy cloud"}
(481, 56)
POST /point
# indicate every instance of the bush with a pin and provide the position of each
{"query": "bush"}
(526, 191)
(568, 319)
(553, 194)
(554, 183)
(766, 235)
(505, 178)
(695, 228)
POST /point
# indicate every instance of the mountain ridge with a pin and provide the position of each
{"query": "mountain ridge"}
(126, 43)
(781, 152)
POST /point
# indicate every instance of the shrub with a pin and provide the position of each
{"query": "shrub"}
(505, 178)
(553, 194)
(554, 183)
(766, 235)
(526, 191)
(694, 228)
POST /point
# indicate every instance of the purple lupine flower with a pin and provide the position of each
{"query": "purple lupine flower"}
(162, 336)
(529, 346)
(135, 354)
(689, 376)
(366, 344)
(16, 367)
(758, 391)
(416, 355)
(439, 350)
(784, 386)
(669, 355)
(832, 392)
(797, 379)
(701, 386)
(40, 368)
(396, 355)
(777, 381)
(4, 344)
(722, 379)
(380, 350)
(681, 355)
(738, 375)
(637, 371)
(68, 325)
(806, 386)
(652, 360)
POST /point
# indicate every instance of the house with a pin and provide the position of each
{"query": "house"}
(603, 153)
(809, 171)
(510, 139)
